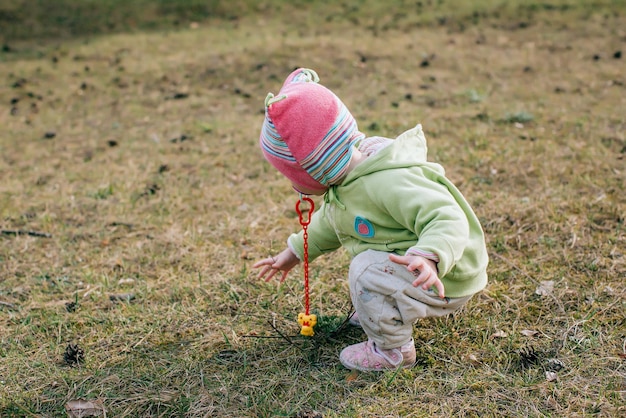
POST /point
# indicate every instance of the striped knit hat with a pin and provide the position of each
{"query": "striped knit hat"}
(308, 133)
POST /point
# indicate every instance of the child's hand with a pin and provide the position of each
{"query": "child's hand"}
(284, 262)
(426, 268)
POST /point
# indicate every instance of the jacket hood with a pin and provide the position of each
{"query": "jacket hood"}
(407, 150)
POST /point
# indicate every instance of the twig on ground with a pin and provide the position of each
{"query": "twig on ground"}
(17, 232)
(262, 336)
(125, 224)
(8, 305)
(342, 326)
(285, 337)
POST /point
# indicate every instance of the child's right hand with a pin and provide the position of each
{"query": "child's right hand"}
(284, 262)
(425, 271)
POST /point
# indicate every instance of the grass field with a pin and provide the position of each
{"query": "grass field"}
(134, 201)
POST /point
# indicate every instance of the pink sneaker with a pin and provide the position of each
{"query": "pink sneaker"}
(367, 357)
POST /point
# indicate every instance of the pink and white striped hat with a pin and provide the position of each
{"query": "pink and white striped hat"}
(308, 133)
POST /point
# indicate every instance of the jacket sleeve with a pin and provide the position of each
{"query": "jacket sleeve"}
(322, 238)
(423, 202)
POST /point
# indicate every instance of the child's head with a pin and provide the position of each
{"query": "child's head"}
(308, 133)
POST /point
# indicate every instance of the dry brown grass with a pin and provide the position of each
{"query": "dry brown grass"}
(153, 185)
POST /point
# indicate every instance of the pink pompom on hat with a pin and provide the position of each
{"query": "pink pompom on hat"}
(308, 133)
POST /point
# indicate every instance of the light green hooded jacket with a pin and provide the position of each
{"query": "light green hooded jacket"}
(396, 201)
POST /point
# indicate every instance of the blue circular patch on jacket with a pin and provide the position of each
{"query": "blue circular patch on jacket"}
(363, 227)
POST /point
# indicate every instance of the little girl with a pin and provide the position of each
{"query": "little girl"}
(418, 248)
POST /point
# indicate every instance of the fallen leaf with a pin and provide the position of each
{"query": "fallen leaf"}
(499, 334)
(529, 332)
(165, 396)
(473, 359)
(122, 297)
(551, 376)
(545, 288)
(554, 365)
(352, 376)
(79, 408)
(309, 414)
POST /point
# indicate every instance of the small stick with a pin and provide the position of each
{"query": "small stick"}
(17, 232)
(280, 333)
(8, 305)
(127, 225)
(343, 325)
(284, 337)
(262, 336)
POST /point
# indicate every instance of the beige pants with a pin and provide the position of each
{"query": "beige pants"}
(386, 301)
